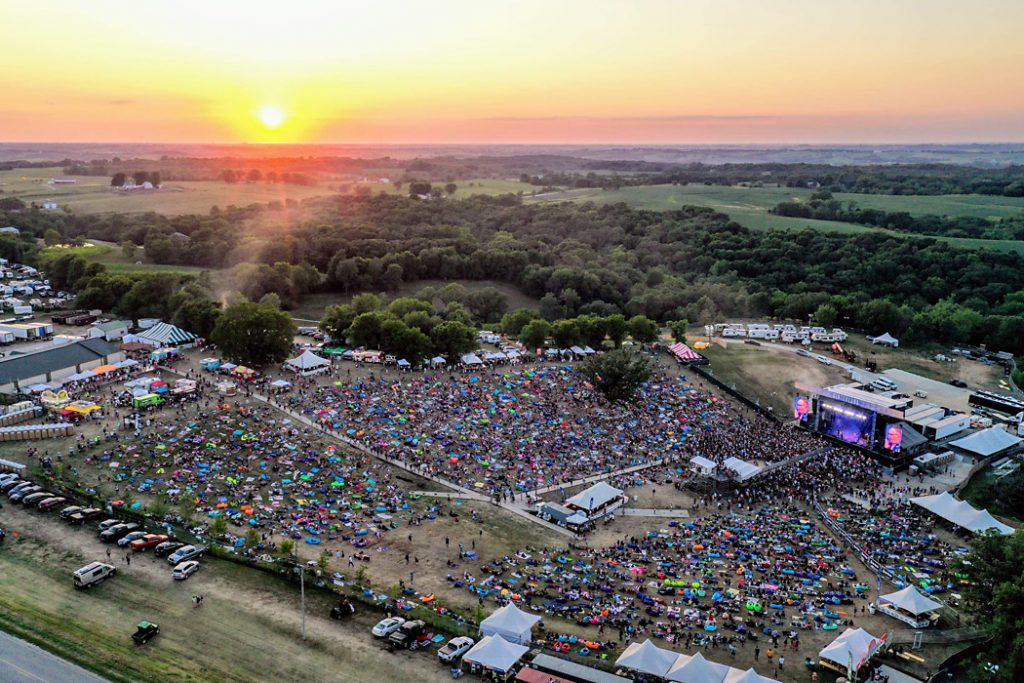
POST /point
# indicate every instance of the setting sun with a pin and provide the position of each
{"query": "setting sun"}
(271, 116)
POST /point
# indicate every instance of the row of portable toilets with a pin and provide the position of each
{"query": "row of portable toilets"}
(37, 431)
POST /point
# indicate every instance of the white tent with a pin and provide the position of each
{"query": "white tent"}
(437, 360)
(702, 464)
(696, 669)
(471, 359)
(648, 658)
(885, 340)
(495, 653)
(910, 600)
(308, 363)
(161, 335)
(403, 363)
(744, 470)
(281, 384)
(511, 623)
(987, 441)
(960, 513)
(852, 645)
(594, 498)
(748, 676)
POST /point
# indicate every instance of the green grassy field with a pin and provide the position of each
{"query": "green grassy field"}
(115, 260)
(749, 207)
(93, 194)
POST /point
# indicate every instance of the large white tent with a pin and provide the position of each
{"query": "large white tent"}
(471, 359)
(511, 623)
(495, 653)
(161, 335)
(744, 470)
(987, 441)
(908, 605)
(696, 669)
(648, 658)
(961, 513)
(885, 340)
(594, 498)
(748, 676)
(308, 363)
(852, 646)
(702, 464)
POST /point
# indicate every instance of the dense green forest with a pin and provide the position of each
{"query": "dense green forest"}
(585, 259)
(822, 206)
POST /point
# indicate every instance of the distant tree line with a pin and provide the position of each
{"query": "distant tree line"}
(822, 206)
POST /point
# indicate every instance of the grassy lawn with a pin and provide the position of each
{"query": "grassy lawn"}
(115, 261)
(749, 207)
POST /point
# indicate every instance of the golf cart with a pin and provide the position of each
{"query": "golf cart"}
(145, 631)
(343, 610)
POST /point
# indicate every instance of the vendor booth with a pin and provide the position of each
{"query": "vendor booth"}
(308, 363)
(696, 669)
(648, 658)
(702, 465)
(910, 606)
(511, 623)
(849, 652)
(279, 385)
(209, 364)
(496, 654)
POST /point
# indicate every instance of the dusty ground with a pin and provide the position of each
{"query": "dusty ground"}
(248, 628)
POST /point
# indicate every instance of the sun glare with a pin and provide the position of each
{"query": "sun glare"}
(271, 116)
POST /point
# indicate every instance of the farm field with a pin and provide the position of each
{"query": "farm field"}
(111, 256)
(749, 207)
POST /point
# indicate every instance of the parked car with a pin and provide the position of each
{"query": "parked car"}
(803, 352)
(144, 632)
(92, 574)
(958, 383)
(129, 537)
(407, 635)
(385, 627)
(10, 484)
(187, 552)
(3, 535)
(20, 494)
(454, 649)
(822, 359)
(167, 547)
(50, 503)
(84, 515)
(751, 342)
(8, 476)
(146, 542)
(33, 499)
(107, 523)
(118, 531)
(185, 569)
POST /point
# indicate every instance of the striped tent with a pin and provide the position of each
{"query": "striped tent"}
(685, 354)
(163, 334)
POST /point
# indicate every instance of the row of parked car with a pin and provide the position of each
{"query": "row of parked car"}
(412, 635)
(183, 558)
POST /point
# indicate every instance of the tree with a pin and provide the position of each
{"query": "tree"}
(825, 315)
(592, 330)
(678, 329)
(323, 563)
(140, 177)
(128, 249)
(254, 334)
(365, 303)
(450, 188)
(643, 329)
(228, 176)
(252, 538)
(617, 328)
(51, 237)
(218, 527)
(618, 374)
(403, 341)
(452, 339)
(565, 333)
(513, 322)
(118, 180)
(993, 590)
(286, 548)
(336, 321)
(487, 304)
(366, 329)
(535, 333)
(254, 175)
(417, 188)
(197, 315)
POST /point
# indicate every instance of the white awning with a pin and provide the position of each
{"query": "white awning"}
(911, 600)
(495, 653)
(648, 658)
(594, 497)
(987, 441)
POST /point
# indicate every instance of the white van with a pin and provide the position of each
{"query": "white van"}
(93, 573)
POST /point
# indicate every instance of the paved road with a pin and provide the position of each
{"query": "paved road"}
(22, 662)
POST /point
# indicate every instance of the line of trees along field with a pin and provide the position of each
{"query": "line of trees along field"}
(583, 259)
(822, 206)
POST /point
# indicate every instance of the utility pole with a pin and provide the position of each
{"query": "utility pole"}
(302, 593)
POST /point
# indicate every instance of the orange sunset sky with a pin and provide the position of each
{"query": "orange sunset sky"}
(557, 71)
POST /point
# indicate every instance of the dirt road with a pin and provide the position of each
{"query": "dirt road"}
(248, 628)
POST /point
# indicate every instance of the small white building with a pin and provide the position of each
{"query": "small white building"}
(50, 205)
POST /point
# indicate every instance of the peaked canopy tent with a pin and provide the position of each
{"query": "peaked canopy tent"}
(511, 623)
(910, 606)
(696, 669)
(961, 513)
(703, 465)
(471, 359)
(851, 646)
(744, 470)
(748, 676)
(684, 354)
(161, 335)
(495, 653)
(597, 498)
(308, 363)
(987, 442)
(885, 340)
(648, 658)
